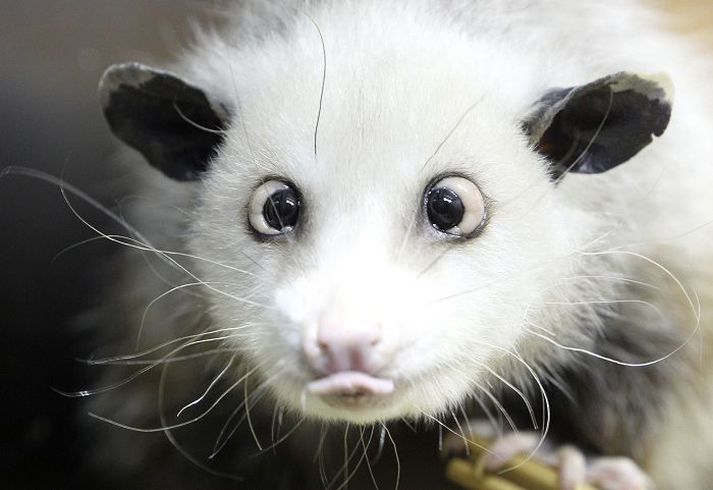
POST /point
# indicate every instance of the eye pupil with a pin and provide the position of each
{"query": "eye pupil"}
(281, 210)
(445, 208)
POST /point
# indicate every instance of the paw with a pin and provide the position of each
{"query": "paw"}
(573, 468)
(618, 473)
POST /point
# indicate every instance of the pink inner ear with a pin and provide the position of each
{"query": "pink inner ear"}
(351, 383)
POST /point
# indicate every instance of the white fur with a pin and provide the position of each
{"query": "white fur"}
(399, 76)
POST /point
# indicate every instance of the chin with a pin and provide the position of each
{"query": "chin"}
(352, 409)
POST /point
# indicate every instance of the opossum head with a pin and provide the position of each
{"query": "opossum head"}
(380, 231)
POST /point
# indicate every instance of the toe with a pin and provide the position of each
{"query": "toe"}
(509, 446)
(618, 474)
(572, 468)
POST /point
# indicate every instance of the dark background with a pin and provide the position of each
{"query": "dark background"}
(52, 54)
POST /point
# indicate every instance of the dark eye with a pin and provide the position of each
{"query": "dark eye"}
(455, 206)
(274, 208)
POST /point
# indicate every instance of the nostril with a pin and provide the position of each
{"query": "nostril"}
(347, 349)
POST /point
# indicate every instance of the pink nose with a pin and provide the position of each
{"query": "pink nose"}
(347, 349)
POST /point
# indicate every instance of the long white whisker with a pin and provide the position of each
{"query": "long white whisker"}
(64, 187)
(359, 462)
(175, 426)
(518, 391)
(195, 124)
(247, 415)
(365, 446)
(137, 373)
(172, 439)
(171, 360)
(396, 455)
(222, 439)
(545, 400)
(210, 387)
(114, 359)
(428, 415)
(286, 436)
(460, 428)
(498, 405)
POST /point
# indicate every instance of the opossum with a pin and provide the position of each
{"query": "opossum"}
(363, 216)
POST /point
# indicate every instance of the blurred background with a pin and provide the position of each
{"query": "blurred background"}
(52, 54)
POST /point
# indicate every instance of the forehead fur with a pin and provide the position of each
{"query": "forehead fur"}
(394, 91)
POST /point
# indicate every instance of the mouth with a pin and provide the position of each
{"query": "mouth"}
(352, 389)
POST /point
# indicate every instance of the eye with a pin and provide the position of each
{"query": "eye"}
(455, 206)
(274, 208)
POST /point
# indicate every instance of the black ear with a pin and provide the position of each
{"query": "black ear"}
(595, 127)
(174, 125)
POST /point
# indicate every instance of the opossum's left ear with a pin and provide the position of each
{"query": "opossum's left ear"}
(173, 124)
(595, 127)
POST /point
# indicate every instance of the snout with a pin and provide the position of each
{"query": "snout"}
(347, 358)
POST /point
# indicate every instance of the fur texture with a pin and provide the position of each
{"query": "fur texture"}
(414, 90)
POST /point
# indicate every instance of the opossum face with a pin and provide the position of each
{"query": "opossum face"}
(380, 243)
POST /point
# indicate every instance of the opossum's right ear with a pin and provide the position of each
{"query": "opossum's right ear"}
(173, 124)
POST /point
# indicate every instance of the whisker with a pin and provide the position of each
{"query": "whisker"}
(172, 360)
(320, 454)
(432, 263)
(272, 423)
(626, 280)
(545, 399)
(114, 359)
(488, 414)
(655, 264)
(408, 424)
(323, 84)
(396, 455)
(450, 133)
(519, 393)
(156, 300)
(460, 428)
(286, 436)
(365, 446)
(466, 419)
(65, 186)
(195, 124)
(255, 397)
(135, 374)
(603, 357)
(380, 449)
(348, 455)
(591, 142)
(407, 235)
(576, 161)
(441, 424)
(348, 477)
(238, 102)
(498, 405)
(223, 439)
(174, 426)
(606, 302)
(172, 439)
(247, 415)
(210, 387)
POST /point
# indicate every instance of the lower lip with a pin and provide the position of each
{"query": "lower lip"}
(355, 402)
(351, 383)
